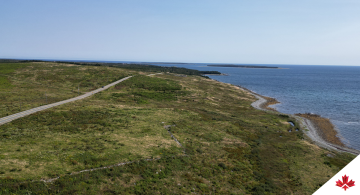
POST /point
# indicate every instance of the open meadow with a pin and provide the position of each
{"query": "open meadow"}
(228, 147)
(28, 85)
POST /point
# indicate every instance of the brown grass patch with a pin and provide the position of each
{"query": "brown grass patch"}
(312, 146)
(14, 162)
(228, 141)
(269, 101)
(325, 127)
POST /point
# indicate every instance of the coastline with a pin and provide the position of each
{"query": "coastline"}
(222, 74)
(312, 126)
(327, 129)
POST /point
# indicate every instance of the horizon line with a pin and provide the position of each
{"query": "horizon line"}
(164, 62)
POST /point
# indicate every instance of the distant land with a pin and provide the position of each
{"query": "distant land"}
(242, 66)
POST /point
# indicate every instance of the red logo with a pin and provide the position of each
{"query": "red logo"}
(345, 184)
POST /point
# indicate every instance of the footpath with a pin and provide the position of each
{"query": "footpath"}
(37, 109)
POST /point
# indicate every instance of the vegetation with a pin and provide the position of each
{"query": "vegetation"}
(270, 101)
(148, 68)
(5, 70)
(326, 128)
(31, 84)
(230, 147)
(144, 89)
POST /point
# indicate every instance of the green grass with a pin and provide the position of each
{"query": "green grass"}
(150, 83)
(143, 89)
(4, 83)
(54, 142)
(28, 85)
(6, 70)
(231, 147)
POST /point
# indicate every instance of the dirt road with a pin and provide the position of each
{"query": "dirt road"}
(37, 109)
(308, 128)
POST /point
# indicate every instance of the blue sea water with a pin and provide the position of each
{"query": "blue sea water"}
(330, 91)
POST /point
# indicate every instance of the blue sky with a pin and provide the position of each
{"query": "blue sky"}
(324, 32)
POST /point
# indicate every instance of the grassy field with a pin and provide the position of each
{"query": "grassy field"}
(28, 85)
(231, 148)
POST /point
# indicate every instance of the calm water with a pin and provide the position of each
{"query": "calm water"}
(330, 91)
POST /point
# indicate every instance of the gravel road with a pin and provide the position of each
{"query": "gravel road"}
(308, 128)
(37, 109)
(258, 104)
(31, 111)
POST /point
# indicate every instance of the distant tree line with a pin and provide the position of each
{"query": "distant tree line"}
(131, 66)
(14, 61)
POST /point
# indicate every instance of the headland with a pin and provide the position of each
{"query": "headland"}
(319, 130)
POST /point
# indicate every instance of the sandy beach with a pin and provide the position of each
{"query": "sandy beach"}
(309, 128)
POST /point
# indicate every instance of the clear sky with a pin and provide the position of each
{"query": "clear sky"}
(325, 32)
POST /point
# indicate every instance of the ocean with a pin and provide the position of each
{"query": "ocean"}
(330, 91)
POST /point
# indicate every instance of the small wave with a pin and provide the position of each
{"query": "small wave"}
(346, 122)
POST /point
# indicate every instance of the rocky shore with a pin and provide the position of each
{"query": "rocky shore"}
(319, 130)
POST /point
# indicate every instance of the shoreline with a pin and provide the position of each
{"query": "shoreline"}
(327, 129)
(312, 128)
(222, 74)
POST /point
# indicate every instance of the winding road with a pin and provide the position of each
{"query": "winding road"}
(308, 128)
(37, 109)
